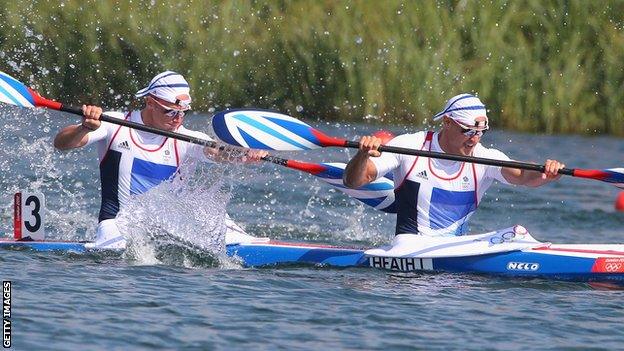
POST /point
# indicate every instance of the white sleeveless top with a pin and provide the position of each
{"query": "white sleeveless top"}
(436, 197)
(132, 161)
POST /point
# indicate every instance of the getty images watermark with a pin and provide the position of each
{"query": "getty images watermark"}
(6, 313)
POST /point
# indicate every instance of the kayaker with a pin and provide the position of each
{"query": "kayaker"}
(437, 197)
(132, 161)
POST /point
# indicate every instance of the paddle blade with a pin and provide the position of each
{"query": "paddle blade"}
(614, 176)
(268, 130)
(378, 194)
(16, 93)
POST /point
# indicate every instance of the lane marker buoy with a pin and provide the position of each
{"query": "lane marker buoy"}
(619, 202)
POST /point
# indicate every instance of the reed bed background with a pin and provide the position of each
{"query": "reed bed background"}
(540, 66)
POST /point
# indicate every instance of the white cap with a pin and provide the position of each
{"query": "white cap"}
(169, 86)
(465, 109)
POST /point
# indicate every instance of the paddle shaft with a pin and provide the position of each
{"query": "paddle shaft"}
(305, 167)
(271, 130)
(143, 127)
(276, 160)
(452, 157)
(311, 168)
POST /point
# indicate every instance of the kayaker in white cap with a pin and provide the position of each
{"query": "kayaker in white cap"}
(437, 197)
(132, 161)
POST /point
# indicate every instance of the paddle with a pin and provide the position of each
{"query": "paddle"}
(379, 194)
(13, 92)
(269, 130)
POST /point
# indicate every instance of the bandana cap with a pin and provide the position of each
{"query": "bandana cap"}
(465, 109)
(169, 86)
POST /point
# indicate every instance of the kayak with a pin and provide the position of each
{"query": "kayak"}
(559, 262)
(507, 252)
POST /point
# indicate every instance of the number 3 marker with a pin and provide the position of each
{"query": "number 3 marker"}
(28, 220)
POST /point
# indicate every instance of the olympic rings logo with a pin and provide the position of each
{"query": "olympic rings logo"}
(505, 237)
(508, 236)
(613, 267)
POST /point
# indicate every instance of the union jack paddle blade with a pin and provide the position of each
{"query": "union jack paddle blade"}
(268, 130)
(15, 93)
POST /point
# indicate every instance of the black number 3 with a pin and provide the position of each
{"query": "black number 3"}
(35, 212)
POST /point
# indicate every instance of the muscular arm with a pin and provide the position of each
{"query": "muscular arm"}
(71, 137)
(533, 178)
(361, 170)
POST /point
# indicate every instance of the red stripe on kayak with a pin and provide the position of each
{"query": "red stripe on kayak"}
(608, 265)
(599, 252)
(309, 245)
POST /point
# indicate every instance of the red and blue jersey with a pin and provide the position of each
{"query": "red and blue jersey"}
(132, 162)
(436, 197)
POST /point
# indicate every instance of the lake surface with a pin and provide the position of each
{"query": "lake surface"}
(167, 295)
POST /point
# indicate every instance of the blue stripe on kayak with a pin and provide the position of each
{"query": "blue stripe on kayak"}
(262, 255)
(256, 124)
(498, 263)
(44, 246)
(329, 256)
(19, 87)
(550, 266)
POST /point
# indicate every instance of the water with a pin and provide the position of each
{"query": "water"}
(177, 291)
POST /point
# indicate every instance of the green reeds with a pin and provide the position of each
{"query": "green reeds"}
(540, 66)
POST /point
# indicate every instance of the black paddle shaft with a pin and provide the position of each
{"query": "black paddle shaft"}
(143, 127)
(452, 157)
(277, 160)
(174, 135)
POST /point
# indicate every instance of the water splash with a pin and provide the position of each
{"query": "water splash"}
(29, 163)
(181, 222)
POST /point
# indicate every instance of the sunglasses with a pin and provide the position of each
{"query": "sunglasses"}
(470, 132)
(169, 112)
